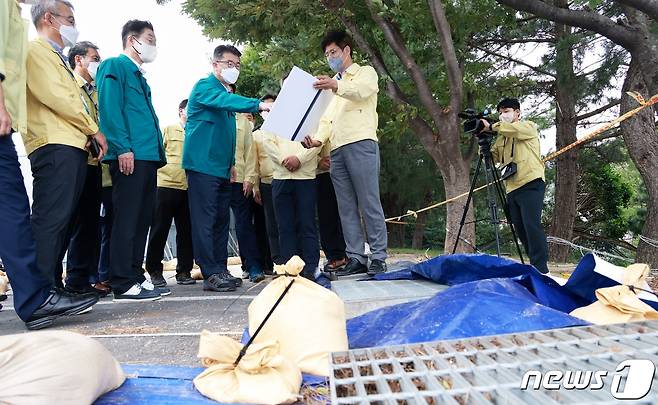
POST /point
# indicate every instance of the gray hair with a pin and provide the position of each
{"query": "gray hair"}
(47, 6)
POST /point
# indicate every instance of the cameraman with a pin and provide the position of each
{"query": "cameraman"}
(517, 151)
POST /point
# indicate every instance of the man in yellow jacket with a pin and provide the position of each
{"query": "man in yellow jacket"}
(171, 204)
(36, 301)
(350, 125)
(517, 146)
(259, 172)
(84, 248)
(60, 126)
(295, 199)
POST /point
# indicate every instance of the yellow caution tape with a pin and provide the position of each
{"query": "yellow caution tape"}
(587, 138)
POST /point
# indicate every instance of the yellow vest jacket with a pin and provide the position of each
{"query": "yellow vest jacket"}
(259, 165)
(57, 113)
(352, 114)
(172, 174)
(91, 98)
(518, 142)
(279, 149)
(13, 51)
(243, 129)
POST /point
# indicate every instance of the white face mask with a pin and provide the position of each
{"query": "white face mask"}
(92, 68)
(230, 75)
(507, 117)
(146, 52)
(69, 35)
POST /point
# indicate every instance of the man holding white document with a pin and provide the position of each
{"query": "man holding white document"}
(350, 124)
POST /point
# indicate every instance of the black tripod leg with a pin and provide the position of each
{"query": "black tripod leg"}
(503, 201)
(468, 203)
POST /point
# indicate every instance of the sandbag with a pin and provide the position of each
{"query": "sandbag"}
(263, 375)
(55, 367)
(309, 323)
(620, 304)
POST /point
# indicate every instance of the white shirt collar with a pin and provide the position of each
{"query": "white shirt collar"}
(136, 63)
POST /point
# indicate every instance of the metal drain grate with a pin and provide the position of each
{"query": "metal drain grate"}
(489, 369)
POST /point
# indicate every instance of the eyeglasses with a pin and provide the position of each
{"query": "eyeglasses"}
(333, 52)
(230, 64)
(68, 18)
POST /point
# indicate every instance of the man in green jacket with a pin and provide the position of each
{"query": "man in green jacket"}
(209, 160)
(135, 153)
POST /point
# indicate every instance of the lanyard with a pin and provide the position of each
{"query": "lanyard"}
(70, 72)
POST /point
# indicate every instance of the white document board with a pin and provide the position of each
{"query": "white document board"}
(298, 108)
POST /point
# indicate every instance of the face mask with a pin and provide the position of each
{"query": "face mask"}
(336, 64)
(69, 35)
(146, 52)
(507, 117)
(92, 68)
(230, 75)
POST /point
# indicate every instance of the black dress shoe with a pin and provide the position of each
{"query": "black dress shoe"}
(377, 267)
(220, 282)
(84, 289)
(185, 279)
(157, 280)
(60, 303)
(353, 267)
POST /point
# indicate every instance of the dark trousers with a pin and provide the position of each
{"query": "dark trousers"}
(210, 200)
(106, 233)
(260, 228)
(84, 247)
(331, 232)
(133, 200)
(270, 223)
(17, 247)
(59, 173)
(295, 204)
(525, 206)
(244, 228)
(171, 204)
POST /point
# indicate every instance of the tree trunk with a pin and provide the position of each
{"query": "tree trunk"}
(639, 134)
(566, 178)
(456, 181)
(419, 231)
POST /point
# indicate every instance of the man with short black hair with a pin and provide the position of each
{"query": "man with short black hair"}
(209, 159)
(172, 204)
(135, 154)
(517, 148)
(350, 125)
(84, 247)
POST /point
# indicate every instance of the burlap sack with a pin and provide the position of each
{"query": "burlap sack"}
(263, 376)
(309, 323)
(55, 367)
(619, 304)
(4, 283)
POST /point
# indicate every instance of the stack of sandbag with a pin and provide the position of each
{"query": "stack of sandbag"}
(4, 283)
(309, 323)
(263, 375)
(55, 367)
(620, 303)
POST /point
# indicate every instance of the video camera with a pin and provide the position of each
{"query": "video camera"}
(472, 120)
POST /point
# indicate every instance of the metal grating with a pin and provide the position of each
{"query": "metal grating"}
(489, 369)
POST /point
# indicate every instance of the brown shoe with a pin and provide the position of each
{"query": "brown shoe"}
(335, 265)
(104, 287)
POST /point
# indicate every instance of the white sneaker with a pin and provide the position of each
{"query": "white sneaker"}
(137, 293)
(163, 291)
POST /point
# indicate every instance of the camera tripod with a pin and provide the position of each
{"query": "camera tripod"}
(494, 191)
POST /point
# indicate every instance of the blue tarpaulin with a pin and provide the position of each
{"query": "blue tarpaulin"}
(489, 295)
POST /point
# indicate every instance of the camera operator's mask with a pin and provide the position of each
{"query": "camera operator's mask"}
(509, 115)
